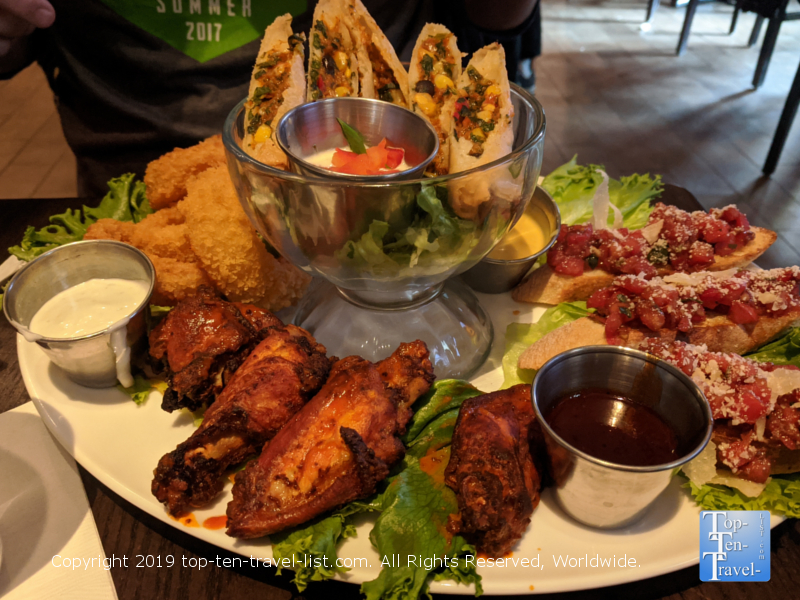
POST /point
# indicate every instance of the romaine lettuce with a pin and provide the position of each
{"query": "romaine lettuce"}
(572, 187)
(435, 239)
(781, 496)
(126, 200)
(784, 350)
(521, 335)
(141, 388)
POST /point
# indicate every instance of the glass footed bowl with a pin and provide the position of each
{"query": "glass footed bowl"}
(383, 254)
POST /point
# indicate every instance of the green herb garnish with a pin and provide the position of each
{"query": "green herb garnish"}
(427, 64)
(354, 138)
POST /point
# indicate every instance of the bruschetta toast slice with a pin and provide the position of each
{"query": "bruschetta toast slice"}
(584, 260)
(545, 286)
(725, 312)
(586, 331)
(277, 85)
(755, 411)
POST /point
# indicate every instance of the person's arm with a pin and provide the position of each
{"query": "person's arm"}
(487, 16)
(18, 19)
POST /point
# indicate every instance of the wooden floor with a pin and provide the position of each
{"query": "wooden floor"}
(613, 94)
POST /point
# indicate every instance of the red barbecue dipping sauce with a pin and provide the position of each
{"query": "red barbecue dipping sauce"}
(613, 428)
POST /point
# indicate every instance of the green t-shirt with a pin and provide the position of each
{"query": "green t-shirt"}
(135, 79)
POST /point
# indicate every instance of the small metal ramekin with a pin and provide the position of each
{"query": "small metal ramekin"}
(495, 276)
(88, 360)
(312, 127)
(601, 493)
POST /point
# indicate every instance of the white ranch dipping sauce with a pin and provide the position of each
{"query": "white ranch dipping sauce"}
(90, 307)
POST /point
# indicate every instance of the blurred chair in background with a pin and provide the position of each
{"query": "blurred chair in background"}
(773, 10)
(784, 125)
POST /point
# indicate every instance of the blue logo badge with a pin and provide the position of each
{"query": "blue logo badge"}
(734, 545)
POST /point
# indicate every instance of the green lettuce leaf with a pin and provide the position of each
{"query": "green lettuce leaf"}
(434, 240)
(141, 388)
(781, 496)
(126, 200)
(313, 547)
(572, 187)
(784, 350)
(521, 335)
(416, 505)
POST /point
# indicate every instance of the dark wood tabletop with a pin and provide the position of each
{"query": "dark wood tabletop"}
(126, 531)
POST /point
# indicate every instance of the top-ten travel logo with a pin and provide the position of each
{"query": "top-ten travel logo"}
(734, 545)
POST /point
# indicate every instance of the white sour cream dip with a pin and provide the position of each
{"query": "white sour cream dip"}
(90, 307)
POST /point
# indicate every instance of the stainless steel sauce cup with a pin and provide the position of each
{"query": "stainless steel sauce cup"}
(313, 127)
(494, 275)
(88, 360)
(601, 493)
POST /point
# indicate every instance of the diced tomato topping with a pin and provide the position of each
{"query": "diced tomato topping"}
(757, 470)
(686, 242)
(571, 265)
(743, 297)
(784, 421)
(394, 156)
(741, 313)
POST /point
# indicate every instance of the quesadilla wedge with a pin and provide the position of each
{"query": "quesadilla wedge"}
(482, 111)
(434, 69)
(481, 133)
(381, 74)
(277, 85)
(332, 64)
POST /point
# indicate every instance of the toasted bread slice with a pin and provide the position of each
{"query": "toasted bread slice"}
(545, 286)
(586, 331)
(718, 333)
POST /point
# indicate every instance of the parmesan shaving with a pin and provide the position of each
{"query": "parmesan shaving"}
(781, 381)
(601, 203)
(652, 231)
(751, 489)
(703, 467)
(761, 425)
(698, 278)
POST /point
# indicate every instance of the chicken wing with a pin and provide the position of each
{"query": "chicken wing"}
(283, 372)
(201, 343)
(336, 449)
(492, 471)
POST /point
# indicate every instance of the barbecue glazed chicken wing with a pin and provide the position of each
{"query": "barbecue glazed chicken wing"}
(337, 448)
(201, 343)
(492, 471)
(284, 371)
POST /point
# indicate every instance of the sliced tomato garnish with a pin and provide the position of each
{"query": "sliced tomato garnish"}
(394, 156)
(342, 157)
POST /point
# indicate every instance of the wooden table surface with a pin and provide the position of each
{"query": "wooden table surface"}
(126, 530)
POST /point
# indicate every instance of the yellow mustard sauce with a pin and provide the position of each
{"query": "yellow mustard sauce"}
(528, 236)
